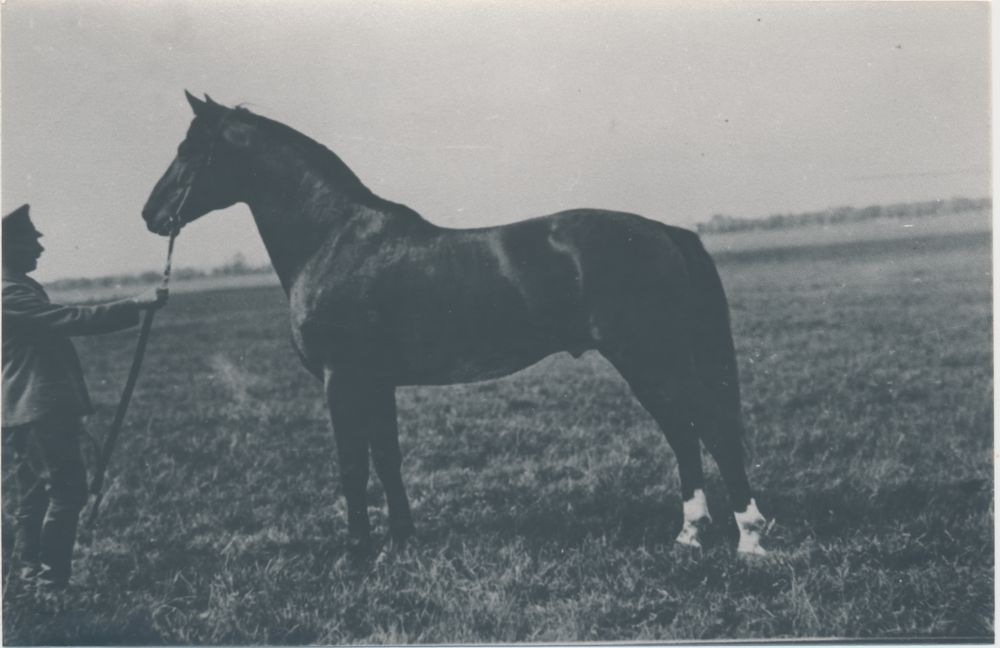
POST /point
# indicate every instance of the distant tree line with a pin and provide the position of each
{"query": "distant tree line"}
(236, 266)
(722, 223)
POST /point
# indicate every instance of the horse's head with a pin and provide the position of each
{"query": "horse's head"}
(192, 185)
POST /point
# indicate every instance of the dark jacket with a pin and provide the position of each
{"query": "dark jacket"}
(41, 371)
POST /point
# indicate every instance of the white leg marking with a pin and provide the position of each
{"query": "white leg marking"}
(751, 522)
(695, 516)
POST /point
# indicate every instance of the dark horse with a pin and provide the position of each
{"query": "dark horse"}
(381, 297)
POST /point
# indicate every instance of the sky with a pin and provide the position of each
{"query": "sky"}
(476, 113)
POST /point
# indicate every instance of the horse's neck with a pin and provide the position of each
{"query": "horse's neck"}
(299, 209)
(302, 200)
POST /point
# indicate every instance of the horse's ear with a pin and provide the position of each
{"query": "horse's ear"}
(207, 110)
(197, 105)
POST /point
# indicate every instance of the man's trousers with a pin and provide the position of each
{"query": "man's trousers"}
(52, 490)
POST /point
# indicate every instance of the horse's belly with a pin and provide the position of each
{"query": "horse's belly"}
(446, 360)
(483, 336)
(465, 369)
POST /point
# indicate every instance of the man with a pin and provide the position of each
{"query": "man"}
(44, 398)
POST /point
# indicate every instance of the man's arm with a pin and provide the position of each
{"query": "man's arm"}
(25, 309)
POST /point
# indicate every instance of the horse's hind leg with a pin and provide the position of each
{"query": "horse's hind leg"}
(723, 440)
(715, 395)
(660, 395)
(727, 450)
(680, 405)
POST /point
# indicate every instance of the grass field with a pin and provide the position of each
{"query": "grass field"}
(547, 502)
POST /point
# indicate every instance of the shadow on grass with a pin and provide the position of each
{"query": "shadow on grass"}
(623, 514)
(27, 622)
(848, 505)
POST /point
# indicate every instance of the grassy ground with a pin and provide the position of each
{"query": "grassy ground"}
(547, 502)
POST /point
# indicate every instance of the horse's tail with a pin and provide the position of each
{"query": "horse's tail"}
(714, 351)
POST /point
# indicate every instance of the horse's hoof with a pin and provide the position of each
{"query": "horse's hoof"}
(750, 546)
(402, 535)
(750, 523)
(384, 556)
(689, 535)
(689, 543)
(696, 518)
(397, 546)
(359, 551)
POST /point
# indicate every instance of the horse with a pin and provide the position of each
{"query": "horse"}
(381, 298)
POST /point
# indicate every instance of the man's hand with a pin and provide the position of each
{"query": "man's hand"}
(152, 300)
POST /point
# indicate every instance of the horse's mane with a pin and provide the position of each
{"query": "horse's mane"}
(322, 159)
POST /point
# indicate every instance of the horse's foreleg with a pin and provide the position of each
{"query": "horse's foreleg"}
(349, 403)
(388, 460)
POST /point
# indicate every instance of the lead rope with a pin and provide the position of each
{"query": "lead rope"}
(97, 485)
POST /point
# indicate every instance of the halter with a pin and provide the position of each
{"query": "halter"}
(175, 218)
(175, 229)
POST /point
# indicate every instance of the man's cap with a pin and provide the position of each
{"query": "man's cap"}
(18, 224)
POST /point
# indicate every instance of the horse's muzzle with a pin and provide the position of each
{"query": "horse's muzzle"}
(157, 222)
